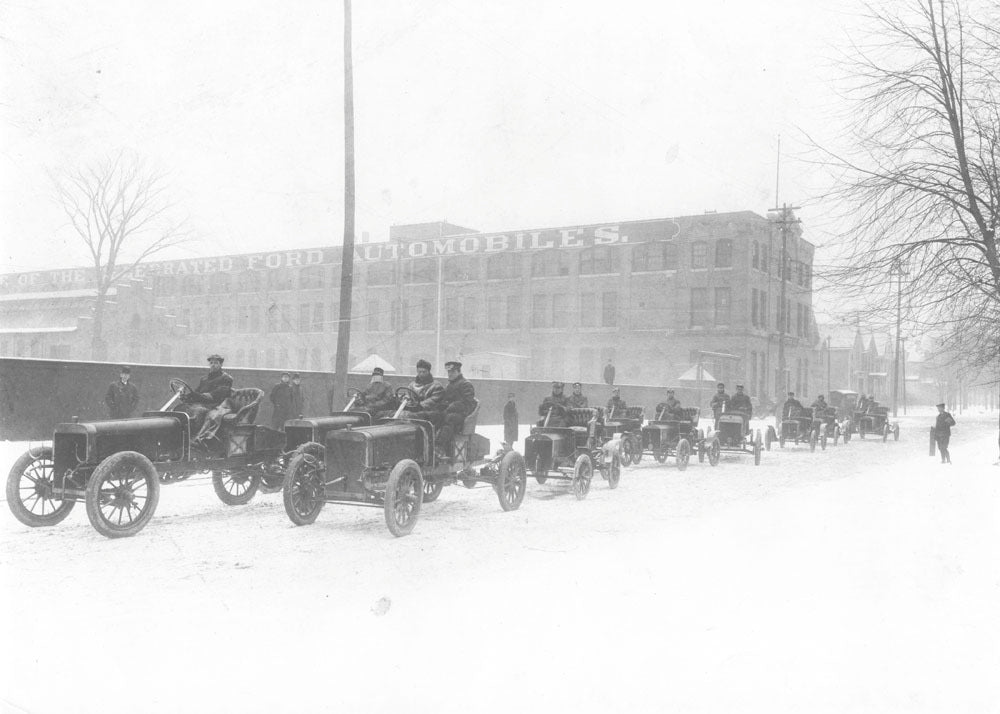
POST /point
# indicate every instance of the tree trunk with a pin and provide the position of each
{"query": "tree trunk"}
(98, 347)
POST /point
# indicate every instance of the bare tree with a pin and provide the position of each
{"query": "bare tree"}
(920, 184)
(120, 212)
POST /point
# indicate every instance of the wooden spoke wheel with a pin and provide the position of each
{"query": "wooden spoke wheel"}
(512, 481)
(122, 494)
(30, 490)
(583, 472)
(303, 489)
(403, 496)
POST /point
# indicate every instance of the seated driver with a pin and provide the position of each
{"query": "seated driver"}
(670, 408)
(208, 400)
(428, 391)
(741, 404)
(377, 397)
(819, 406)
(558, 402)
(616, 405)
(791, 406)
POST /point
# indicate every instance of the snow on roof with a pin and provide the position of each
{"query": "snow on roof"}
(56, 295)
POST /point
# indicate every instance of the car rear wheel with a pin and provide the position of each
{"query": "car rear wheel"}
(683, 454)
(583, 472)
(614, 471)
(403, 494)
(512, 481)
(30, 490)
(636, 450)
(628, 451)
(122, 494)
(757, 448)
(235, 488)
(768, 438)
(303, 490)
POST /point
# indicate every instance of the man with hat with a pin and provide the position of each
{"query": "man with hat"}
(616, 403)
(457, 402)
(429, 391)
(819, 405)
(790, 404)
(558, 403)
(122, 396)
(377, 397)
(741, 404)
(576, 399)
(942, 432)
(670, 408)
(719, 401)
(281, 402)
(209, 397)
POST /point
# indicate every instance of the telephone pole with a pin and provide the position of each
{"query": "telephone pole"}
(347, 265)
(784, 222)
(899, 319)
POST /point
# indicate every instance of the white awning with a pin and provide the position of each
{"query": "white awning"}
(691, 375)
(371, 362)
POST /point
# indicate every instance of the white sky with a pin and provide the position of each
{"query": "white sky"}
(493, 115)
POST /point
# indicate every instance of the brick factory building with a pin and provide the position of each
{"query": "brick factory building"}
(661, 299)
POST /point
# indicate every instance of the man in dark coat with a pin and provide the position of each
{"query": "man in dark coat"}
(458, 401)
(122, 396)
(791, 404)
(281, 399)
(741, 404)
(609, 373)
(298, 397)
(819, 405)
(510, 421)
(942, 432)
(377, 397)
(576, 399)
(719, 401)
(616, 404)
(558, 403)
(209, 396)
(670, 408)
(429, 392)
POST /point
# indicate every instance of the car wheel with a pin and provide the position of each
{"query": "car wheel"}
(403, 493)
(303, 492)
(614, 471)
(30, 490)
(235, 488)
(627, 451)
(512, 481)
(432, 489)
(661, 455)
(683, 454)
(767, 439)
(714, 453)
(636, 451)
(122, 494)
(895, 432)
(756, 452)
(583, 472)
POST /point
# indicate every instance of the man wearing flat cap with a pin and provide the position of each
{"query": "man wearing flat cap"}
(670, 408)
(457, 402)
(719, 401)
(428, 390)
(741, 404)
(616, 404)
(377, 397)
(790, 404)
(942, 432)
(209, 396)
(557, 403)
(576, 399)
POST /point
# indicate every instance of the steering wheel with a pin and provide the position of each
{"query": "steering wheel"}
(405, 392)
(558, 410)
(179, 386)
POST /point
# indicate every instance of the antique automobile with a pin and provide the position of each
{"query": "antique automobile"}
(875, 421)
(665, 436)
(572, 453)
(734, 435)
(116, 466)
(392, 464)
(626, 425)
(796, 426)
(845, 402)
(829, 426)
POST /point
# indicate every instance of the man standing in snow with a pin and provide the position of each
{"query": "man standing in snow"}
(942, 432)
(122, 396)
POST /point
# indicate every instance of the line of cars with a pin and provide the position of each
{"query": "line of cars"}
(841, 420)
(116, 466)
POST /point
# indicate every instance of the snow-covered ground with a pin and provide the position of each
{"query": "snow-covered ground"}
(865, 578)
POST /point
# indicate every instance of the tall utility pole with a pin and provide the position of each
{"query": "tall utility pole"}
(785, 221)
(347, 264)
(899, 319)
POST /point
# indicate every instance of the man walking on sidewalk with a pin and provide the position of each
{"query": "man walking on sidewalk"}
(942, 432)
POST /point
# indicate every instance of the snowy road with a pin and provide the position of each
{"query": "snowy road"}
(861, 579)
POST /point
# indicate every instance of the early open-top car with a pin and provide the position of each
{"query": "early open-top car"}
(665, 436)
(573, 452)
(626, 425)
(392, 464)
(734, 435)
(116, 466)
(796, 426)
(875, 420)
(829, 426)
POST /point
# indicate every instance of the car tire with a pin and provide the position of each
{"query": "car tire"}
(583, 472)
(35, 466)
(118, 469)
(303, 490)
(614, 471)
(512, 481)
(714, 452)
(403, 497)
(236, 487)
(683, 454)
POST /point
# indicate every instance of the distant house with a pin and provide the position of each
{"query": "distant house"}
(851, 359)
